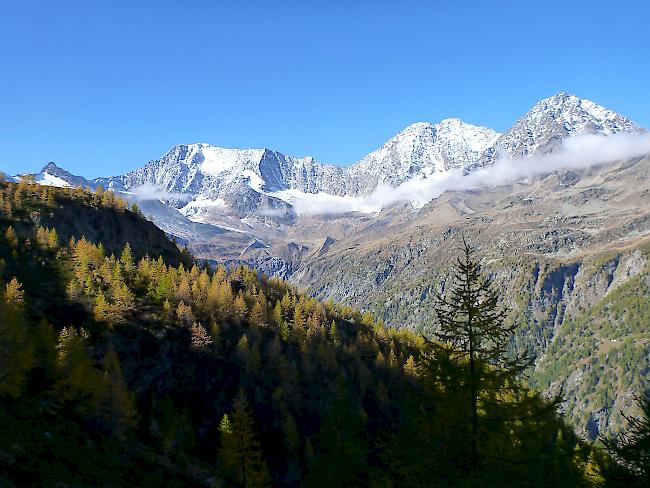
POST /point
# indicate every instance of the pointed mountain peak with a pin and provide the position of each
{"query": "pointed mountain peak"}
(50, 167)
(575, 112)
(423, 149)
(188, 159)
(448, 132)
(562, 100)
(54, 170)
(560, 97)
(54, 175)
(555, 118)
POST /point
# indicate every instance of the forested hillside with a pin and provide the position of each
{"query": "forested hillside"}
(125, 363)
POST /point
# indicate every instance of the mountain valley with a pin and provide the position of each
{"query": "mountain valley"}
(566, 245)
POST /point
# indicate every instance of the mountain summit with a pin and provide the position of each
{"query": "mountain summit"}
(421, 150)
(553, 119)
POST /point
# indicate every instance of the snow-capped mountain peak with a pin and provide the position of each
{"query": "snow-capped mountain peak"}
(422, 149)
(579, 114)
(552, 119)
(476, 138)
(52, 175)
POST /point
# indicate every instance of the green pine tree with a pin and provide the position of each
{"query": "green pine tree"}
(473, 333)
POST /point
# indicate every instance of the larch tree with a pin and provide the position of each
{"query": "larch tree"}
(102, 308)
(16, 350)
(200, 339)
(298, 318)
(53, 239)
(10, 236)
(258, 314)
(409, 367)
(239, 307)
(13, 294)
(241, 454)
(115, 408)
(184, 291)
(126, 259)
(184, 314)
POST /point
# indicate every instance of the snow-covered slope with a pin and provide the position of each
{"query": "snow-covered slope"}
(421, 150)
(51, 180)
(239, 181)
(52, 175)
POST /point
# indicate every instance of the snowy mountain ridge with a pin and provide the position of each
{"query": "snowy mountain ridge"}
(262, 183)
(421, 149)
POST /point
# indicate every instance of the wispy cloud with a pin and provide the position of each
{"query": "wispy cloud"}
(274, 212)
(149, 192)
(579, 152)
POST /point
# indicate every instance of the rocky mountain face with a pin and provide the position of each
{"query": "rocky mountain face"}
(232, 187)
(254, 182)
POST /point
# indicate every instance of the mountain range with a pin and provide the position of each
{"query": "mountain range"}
(221, 186)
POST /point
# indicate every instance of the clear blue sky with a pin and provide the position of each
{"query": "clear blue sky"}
(101, 87)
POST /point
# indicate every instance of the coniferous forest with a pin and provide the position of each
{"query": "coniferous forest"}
(125, 362)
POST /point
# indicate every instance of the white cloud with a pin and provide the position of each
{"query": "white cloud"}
(323, 203)
(149, 192)
(274, 212)
(577, 152)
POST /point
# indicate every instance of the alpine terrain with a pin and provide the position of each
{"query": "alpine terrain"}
(567, 243)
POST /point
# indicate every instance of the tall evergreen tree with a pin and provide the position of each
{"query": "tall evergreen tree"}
(126, 259)
(10, 236)
(473, 333)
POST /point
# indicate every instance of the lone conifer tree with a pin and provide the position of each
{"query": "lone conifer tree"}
(473, 333)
